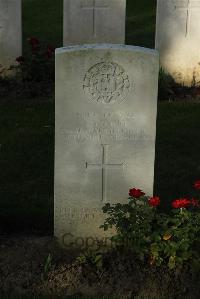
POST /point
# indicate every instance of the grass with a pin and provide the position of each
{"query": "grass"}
(65, 297)
(26, 161)
(55, 297)
(27, 152)
(27, 131)
(74, 297)
(140, 24)
(44, 19)
(177, 162)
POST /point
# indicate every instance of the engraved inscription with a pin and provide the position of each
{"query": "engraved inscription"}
(94, 7)
(110, 126)
(188, 6)
(106, 83)
(83, 214)
(103, 165)
(97, 135)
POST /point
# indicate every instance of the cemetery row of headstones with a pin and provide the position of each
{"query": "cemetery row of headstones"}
(177, 31)
(106, 99)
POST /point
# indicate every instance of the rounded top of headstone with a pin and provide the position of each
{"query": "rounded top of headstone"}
(119, 47)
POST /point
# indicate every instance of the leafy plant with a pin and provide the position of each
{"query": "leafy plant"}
(35, 71)
(166, 86)
(91, 258)
(134, 222)
(157, 237)
(47, 267)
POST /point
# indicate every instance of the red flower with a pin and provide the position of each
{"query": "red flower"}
(20, 59)
(50, 48)
(197, 185)
(34, 42)
(154, 201)
(50, 51)
(181, 203)
(136, 193)
(195, 202)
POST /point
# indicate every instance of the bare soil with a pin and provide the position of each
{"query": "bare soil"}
(22, 271)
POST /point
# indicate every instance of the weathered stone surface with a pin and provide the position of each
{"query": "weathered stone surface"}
(94, 21)
(178, 39)
(106, 102)
(10, 32)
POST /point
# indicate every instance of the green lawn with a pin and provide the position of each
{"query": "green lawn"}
(69, 297)
(26, 162)
(43, 19)
(27, 131)
(74, 297)
(140, 25)
(177, 162)
(27, 153)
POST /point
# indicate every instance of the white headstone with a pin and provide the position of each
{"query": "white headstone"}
(94, 21)
(178, 38)
(10, 32)
(106, 99)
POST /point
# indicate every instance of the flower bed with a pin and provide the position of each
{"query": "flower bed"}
(170, 239)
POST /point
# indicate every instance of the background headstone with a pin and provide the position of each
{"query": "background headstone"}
(94, 21)
(106, 101)
(178, 38)
(10, 32)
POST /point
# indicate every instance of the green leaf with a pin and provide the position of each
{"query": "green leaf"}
(172, 262)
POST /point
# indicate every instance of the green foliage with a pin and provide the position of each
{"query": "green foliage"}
(140, 23)
(92, 258)
(158, 237)
(134, 223)
(166, 86)
(43, 19)
(36, 71)
(47, 267)
(176, 238)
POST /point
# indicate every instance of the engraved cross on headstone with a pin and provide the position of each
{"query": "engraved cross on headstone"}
(187, 6)
(95, 8)
(104, 166)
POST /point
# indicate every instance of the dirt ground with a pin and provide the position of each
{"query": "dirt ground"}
(24, 271)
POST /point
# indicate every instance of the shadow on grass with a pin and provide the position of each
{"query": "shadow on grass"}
(62, 297)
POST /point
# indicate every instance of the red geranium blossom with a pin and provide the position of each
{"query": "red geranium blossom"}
(34, 42)
(195, 202)
(20, 59)
(181, 203)
(50, 51)
(136, 193)
(154, 201)
(197, 185)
